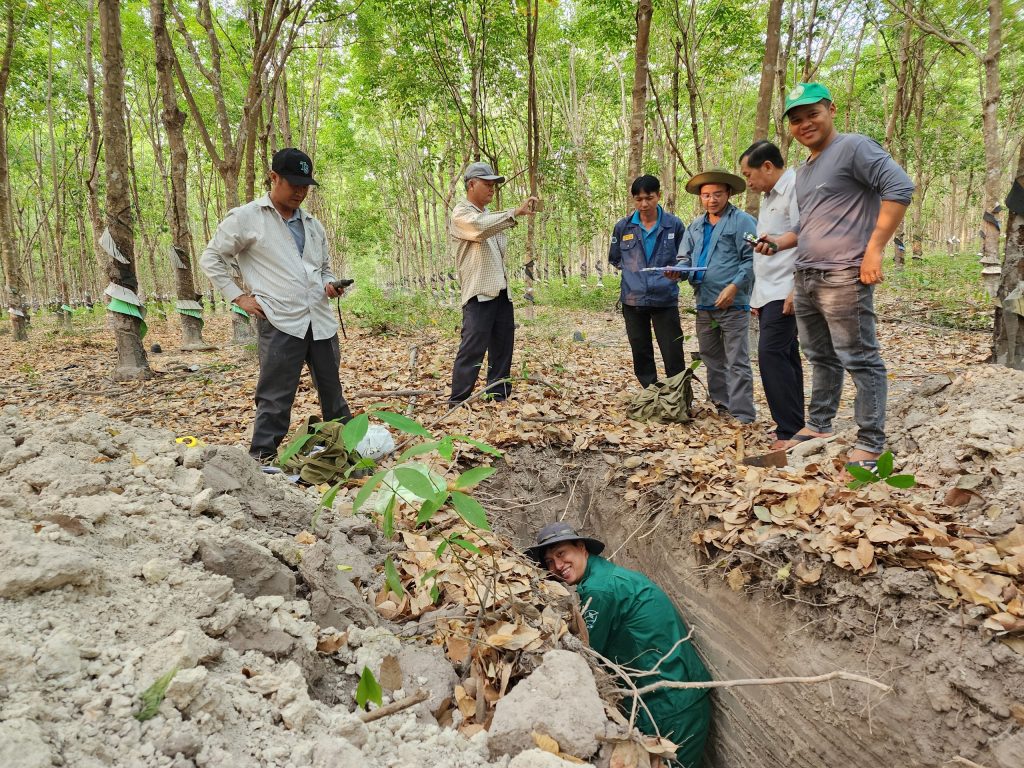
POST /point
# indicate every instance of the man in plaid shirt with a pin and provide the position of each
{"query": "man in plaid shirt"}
(478, 241)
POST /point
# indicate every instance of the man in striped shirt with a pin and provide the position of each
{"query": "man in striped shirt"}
(478, 241)
(281, 252)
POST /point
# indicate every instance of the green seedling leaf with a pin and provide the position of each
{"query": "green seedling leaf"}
(363, 463)
(853, 485)
(471, 477)
(353, 432)
(343, 567)
(419, 450)
(885, 464)
(153, 696)
(388, 525)
(469, 509)
(478, 444)
(368, 487)
(428, 510)
(327, 501)
(446, 447)
(783, 573)
(901, 481)
(368, 690)
(296, 445)
(441, 548)
(394, 581)
(403, 423)
(458, 541)
(415, 481)
(861, 473)
(428, 575)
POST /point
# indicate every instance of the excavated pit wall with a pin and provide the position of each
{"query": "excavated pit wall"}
(952, 688)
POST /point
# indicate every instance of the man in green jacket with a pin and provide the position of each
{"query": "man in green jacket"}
(634, 624)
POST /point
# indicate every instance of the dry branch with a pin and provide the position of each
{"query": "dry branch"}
(837, 675)
(395, 706)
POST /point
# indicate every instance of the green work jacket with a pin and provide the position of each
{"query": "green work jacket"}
(634, 624)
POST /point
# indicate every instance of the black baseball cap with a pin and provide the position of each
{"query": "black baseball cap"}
(294, 165)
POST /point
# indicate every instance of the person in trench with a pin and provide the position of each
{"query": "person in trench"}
(632, 622)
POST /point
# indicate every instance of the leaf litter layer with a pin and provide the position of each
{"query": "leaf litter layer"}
(740, 507)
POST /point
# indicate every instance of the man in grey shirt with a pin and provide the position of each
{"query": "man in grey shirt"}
(851, 197)
(282, 254)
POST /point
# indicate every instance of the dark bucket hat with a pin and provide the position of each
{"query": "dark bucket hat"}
(556, 533)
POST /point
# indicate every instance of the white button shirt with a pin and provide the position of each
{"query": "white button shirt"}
(288, 285)
(773, 273)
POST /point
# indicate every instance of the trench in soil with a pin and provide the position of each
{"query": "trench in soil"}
(886, 630)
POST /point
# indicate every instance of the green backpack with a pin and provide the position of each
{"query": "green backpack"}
(323, 457)
(669, 400)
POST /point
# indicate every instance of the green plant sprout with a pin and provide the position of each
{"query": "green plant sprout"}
(883, 472)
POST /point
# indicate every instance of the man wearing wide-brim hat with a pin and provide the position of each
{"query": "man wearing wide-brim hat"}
(633, 623)
(715, 245)
(851, 196)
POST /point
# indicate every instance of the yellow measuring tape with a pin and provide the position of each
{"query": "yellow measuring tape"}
(188, 441)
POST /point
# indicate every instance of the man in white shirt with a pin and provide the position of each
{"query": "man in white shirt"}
(778, 352)
(477, 240)
(281, 252)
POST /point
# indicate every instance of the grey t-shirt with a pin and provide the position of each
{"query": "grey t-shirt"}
(839, 194)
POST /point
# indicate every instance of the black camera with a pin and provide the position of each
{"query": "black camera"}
(342, 284)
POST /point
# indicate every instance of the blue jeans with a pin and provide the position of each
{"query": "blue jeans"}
(835, 315)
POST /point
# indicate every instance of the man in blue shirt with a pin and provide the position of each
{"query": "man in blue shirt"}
(649, 238)
(714, 242)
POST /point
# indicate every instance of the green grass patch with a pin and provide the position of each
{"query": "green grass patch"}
(387, 312)
(941, 289)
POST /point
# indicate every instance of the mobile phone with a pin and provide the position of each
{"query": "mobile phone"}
(758, 240)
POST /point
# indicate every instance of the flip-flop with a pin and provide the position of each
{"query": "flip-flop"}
(800, 438)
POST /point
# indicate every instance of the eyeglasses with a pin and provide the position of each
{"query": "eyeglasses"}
(713, 195)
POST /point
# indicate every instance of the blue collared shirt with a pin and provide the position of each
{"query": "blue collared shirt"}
(650, 236)
(728, 258)
(297, 231)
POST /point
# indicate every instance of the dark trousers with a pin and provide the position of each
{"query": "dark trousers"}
(487, 326)
(778, 357)
(668, 331)
(281, 360)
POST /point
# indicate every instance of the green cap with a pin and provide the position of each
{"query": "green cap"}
(806, 93)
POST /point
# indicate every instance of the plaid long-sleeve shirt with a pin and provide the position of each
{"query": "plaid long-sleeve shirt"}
(478, 241)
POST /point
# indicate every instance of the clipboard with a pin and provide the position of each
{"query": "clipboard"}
(674, 268)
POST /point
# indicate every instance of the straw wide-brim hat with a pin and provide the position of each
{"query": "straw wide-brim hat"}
(716, 176)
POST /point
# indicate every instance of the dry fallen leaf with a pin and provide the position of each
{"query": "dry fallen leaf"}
(332, 643)
(737, 578)
(545, 742)
(390, 677)
(807, 575)
(305, 537)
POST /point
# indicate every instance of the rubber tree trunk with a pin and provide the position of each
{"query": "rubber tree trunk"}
(532, 149)
(18, 307)
(637, 123)
(766, 90)
(990, 133)
(131, 355)
(1009, 323)
(174, 124)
